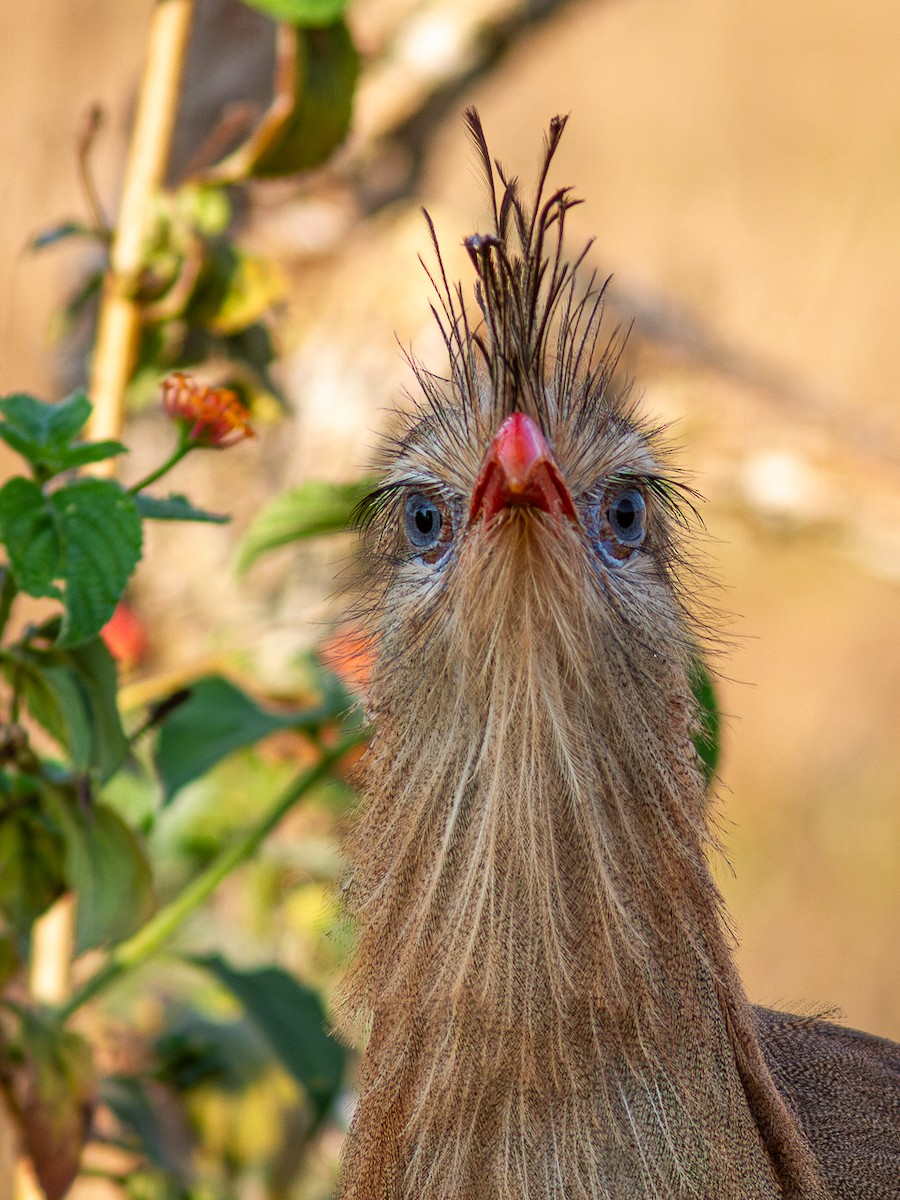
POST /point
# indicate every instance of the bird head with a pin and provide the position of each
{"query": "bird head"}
(523, 499)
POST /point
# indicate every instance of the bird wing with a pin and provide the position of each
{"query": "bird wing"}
(844, 1088)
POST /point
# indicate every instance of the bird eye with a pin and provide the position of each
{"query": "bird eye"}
(618, 525)
(428, 526)
(627, 511)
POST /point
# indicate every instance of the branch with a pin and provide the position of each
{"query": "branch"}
(405, 108)
(120, 310)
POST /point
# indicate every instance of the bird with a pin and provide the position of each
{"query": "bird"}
(544, 969)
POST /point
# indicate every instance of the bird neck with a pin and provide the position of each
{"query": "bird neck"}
(541, 948)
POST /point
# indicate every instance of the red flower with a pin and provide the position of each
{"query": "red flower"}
(212, 416)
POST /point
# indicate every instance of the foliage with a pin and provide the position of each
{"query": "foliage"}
(708, 734)
(88, 803)
(306, 511)
(276, 1005)
(204, 298)
(324, 69)
(74, 541)
(312, 13)
(48, 1078)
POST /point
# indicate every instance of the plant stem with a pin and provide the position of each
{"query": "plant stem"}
(120, 311)
(86, 142)
(148, 940)
(8, 591)
(184, 447)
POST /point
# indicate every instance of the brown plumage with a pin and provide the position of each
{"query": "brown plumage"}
(543, 963)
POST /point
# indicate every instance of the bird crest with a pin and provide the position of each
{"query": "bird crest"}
(537, 328)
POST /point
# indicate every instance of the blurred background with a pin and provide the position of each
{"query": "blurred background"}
(740, 166)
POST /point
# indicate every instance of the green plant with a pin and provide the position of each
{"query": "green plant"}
(74, 541)
(87, 802)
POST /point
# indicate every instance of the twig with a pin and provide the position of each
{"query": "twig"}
(273, 121)
(92, 126)
(408, 114)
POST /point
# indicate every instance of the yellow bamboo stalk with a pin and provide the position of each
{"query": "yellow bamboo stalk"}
(120, 312)
(52, 938)
(49, 981)
(26, 1186)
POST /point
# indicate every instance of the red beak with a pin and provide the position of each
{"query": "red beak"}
(519, 470)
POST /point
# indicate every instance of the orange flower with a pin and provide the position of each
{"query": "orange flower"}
(125, 636)
(211, 416)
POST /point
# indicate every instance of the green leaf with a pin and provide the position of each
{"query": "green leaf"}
(31, 851)
(16, 786)
(133, 1105)
(64, 320)
(9, 959)
(194, 1050)
(32, 536)
(73, 695)
(87, 534)
(82, 453)
(57, 701)
(301, 12)
(99, 677)
(107, 869)
(292, 1020)
(253, 350)
(66, 229)
(207, 209)
(67, 417)
(312, 509)
(19, 441)
(102, 541)
(174, 508)
(327, 69)
(255, 284)
(43, 424)
(235, 290)
(707, 735)
(51, 1089)
(43, 433)
(217, 719)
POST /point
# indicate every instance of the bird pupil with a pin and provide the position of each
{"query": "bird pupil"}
(625, 513)
(424, 519)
